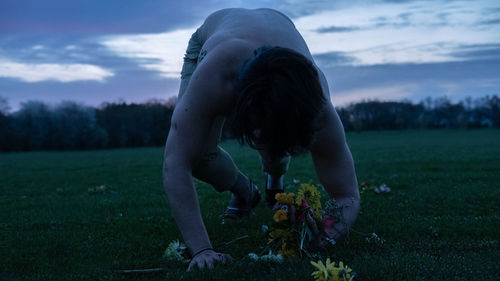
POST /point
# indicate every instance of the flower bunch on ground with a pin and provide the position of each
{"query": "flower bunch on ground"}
(328, 271)
(300, 224)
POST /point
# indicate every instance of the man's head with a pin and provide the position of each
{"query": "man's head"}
(279, 100)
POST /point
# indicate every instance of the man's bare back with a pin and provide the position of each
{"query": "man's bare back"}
(256, 27)
(233, 34)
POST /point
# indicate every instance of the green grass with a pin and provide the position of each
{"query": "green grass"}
(440, 222)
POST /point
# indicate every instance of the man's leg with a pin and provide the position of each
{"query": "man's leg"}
(274, 168)
(218, 169)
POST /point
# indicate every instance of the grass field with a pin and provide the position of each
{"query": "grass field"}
(440, 222)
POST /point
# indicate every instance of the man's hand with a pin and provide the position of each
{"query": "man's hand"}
(350, 210)
(207, 259)
(339, 230)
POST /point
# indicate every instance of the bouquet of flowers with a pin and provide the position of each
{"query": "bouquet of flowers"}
(301, 225)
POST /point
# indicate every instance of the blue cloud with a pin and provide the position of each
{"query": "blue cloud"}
(345, 77)
(490, 22)
(63, 49)
(456, 80)
(478, 52)
(333, 59)
(337, 29)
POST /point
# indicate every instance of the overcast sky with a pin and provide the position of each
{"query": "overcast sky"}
(103, 51)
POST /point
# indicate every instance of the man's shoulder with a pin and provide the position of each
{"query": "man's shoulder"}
(214, 79)
(224, 59)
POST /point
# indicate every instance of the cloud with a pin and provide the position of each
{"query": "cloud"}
(413, 32)
(477, 52)
(299, 8)
(333, 59)
(35, 49)
(348, 77)
(490, 22)
(162, 52)
(56, 72)
(336, 29)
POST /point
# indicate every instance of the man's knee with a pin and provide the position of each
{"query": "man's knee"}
(217, 168)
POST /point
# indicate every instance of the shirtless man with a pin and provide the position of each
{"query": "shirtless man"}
(253, 67)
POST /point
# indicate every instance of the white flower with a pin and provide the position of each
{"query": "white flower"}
(385, 188)
(174, 251)
(253, 256)
(265, 228)
(382, 189)
(270, 257)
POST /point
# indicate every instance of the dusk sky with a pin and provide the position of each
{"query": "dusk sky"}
(103, 51)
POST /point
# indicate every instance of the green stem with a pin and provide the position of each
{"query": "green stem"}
(142, 270)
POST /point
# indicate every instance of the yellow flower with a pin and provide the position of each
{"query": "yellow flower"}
(330, 272)
(290, 198)
(278, 233)
(281, 198)
(322, 273)
(280, 216)
(311, 194)
(286, 252)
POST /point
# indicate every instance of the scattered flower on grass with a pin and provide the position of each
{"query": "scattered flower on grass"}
(97, 189)
(269, 257)
(176, 251)
(383, 188)
(374, 238)
(330, 272)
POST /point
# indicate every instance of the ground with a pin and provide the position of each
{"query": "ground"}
(87, 215)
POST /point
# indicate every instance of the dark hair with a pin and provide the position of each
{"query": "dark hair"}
(279, 95)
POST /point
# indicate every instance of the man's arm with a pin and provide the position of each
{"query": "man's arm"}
(190, 126)
(335, 167)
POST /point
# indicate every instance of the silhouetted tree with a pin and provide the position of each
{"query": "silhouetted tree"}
(75, 127)
(5, 128)
(31, 126)
(135, 124)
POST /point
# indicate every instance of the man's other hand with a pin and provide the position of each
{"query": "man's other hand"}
(208, 259)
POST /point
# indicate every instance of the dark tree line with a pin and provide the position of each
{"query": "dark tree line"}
(429, 114)
(73, 126)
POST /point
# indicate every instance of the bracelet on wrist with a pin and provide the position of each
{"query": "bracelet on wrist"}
(201, 251)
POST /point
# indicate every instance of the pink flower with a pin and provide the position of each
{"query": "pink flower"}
(303, 203)
(329, 223)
